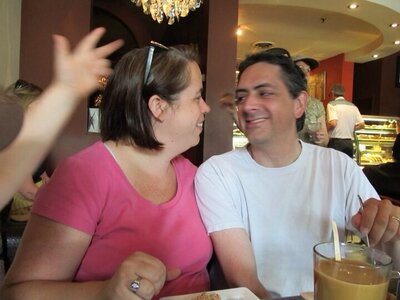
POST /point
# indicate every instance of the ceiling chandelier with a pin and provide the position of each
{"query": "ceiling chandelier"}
(171, 9)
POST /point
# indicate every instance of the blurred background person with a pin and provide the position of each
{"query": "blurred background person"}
(126, 202)
(314, 130)
(227, 102)
(11, 116)
(343, 119)
(22, 202)
(386, 177)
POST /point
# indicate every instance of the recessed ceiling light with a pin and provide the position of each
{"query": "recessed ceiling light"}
(353, 6)
(262, 45)
(375, 56)
(394, 25)
(396, 42)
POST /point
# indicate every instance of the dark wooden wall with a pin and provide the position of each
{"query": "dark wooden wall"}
(374, 91)
(211, 27)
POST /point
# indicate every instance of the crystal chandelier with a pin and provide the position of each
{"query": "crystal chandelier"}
(171, 9)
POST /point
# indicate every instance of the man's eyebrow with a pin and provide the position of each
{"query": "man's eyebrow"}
(262, 85)
(241, 90)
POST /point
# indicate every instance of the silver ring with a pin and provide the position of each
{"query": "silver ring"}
(135, 285)
(396, 218)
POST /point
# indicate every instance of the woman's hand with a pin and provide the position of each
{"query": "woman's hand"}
(148, 272)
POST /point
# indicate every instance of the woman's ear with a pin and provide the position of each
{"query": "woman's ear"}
(300, 104)
(157, 107)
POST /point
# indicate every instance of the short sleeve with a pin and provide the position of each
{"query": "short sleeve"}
(332, 115)
(359, 117)
(219, 206)
(72, 197)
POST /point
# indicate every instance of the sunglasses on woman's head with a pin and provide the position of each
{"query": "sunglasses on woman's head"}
(149, 60)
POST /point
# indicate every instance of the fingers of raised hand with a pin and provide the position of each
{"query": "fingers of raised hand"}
(90, 40)
(107, 49)
(88, 44)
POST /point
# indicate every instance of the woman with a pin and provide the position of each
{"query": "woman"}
(119, 219)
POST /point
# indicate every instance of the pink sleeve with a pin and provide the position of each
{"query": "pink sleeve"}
(72, 196)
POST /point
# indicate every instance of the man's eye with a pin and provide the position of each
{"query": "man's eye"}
(239, 99)
(265, 94)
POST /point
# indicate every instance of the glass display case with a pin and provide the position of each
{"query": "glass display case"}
(239, 139)
(373, 144)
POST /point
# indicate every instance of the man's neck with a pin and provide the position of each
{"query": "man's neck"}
(340, 98)
(275, 156)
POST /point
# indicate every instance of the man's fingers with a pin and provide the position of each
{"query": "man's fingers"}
(369, 213)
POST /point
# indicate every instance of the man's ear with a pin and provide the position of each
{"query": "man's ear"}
(157, 107)
(300, 104)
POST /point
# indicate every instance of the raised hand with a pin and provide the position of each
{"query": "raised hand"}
(81, 68)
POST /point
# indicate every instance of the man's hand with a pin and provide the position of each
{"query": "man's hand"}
(380, 220)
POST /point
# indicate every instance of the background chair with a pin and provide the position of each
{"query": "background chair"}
(11, 233)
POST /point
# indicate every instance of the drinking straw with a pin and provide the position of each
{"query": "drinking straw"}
(336, 241)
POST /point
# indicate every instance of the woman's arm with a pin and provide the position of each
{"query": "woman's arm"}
(48, 252)
(47, 260)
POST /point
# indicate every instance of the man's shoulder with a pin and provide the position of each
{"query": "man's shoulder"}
(225, 158)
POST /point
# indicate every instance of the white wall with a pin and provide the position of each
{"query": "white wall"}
(10, 36)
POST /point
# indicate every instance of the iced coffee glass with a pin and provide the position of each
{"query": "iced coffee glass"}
(362, 274)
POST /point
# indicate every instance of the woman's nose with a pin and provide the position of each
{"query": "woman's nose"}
(205, 108)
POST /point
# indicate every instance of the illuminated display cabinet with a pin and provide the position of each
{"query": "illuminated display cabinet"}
(373, 144)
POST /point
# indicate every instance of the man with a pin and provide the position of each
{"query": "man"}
(314, 130)
(265, 206)
(343, 118)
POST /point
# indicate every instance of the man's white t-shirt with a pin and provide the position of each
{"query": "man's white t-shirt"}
(285, 211)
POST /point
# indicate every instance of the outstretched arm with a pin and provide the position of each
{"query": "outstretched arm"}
(75, 76)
